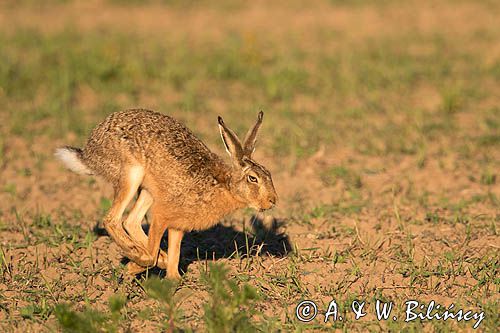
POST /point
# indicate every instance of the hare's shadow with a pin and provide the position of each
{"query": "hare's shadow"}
(223, 241)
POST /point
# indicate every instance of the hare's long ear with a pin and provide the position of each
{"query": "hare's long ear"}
(231, 142)
(251, 138)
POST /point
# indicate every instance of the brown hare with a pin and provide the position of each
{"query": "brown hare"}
(186, 186)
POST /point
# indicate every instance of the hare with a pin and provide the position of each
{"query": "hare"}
(186, 186)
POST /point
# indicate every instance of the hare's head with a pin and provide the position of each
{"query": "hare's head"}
(250, 182)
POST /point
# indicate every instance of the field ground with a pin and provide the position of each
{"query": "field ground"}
(381, 130)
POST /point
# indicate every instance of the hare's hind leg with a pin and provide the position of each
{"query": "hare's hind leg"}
(132, 223)
(156, 230)
(124, 193)
(133, 227)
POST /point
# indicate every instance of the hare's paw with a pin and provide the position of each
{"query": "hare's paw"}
(140, 255)
(133, 269)
(173, 275)
(162, 260)
(144, 259)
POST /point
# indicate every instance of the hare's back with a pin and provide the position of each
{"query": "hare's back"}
(150, 138)
(152, 135)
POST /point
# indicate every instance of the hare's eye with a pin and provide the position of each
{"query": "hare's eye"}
(252, 179)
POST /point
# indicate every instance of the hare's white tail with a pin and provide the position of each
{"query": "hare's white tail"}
(72, 159)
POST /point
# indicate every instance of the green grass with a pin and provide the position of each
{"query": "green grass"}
(91, 320)
(42, 79)
(230, 307)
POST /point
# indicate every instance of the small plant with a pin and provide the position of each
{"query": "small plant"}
(230, 308)
(91, 320)
(105, 204)
(163, 291)
(488, 178)
(352, 180)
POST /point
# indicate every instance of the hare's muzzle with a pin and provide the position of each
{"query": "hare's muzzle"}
(272, 202)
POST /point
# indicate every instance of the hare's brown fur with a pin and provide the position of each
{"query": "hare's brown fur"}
(175, 162)
(186, 186)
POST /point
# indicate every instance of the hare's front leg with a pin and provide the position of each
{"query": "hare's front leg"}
(156, 231)
(174, 253)
(133, 226)
(124, 193)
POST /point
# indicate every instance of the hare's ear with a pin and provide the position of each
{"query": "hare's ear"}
(231, 142)
(251, 138)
